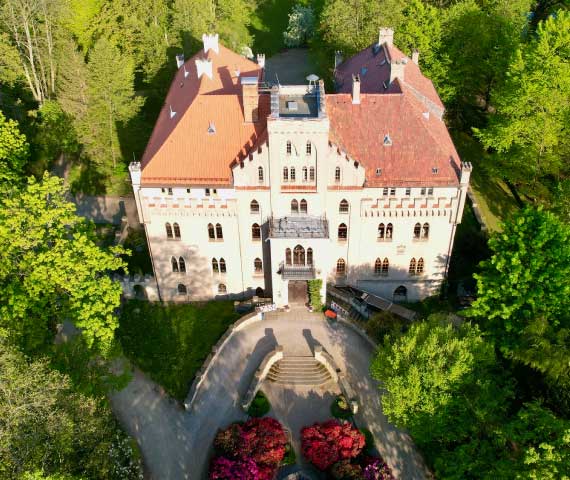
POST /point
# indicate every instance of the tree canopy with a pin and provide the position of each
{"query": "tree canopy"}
(14, 151)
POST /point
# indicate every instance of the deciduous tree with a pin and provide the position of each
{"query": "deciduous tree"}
(14, 151)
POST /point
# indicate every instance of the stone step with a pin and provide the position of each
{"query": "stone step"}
(299, 370)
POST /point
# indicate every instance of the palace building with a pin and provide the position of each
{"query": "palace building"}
(252, 188)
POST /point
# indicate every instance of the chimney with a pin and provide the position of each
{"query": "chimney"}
(386, 36)
(337, 58)
(356, 89)
(211, 43)
(416, 57)
(250, 99)
(397, 68)
(261, 60)
(466, 169)
(204, 67)
(179, 60)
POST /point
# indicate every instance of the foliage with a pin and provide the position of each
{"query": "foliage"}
(260, 405)
(369, 440)
(344, 470)
(254, 450)
(340, 408)
(47, 425)
(384, 323)
(51, 269)
(523, 290)
(324, 444)
(428, 374)
(374, 468)
(315, 294)
(301, 26)
(14, 151)
(170, 342)
(139, 260)
(533, 106)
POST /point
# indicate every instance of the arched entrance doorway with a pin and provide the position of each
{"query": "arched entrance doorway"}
(298, 292)
(401, 294)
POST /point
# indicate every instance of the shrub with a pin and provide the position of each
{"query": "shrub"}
(345, 470)
(315, 294)
(324, 444)
(374, 468)
(290, 457)
(369, 439)
(340, 408)
(223, 468)
(260, 405)
(384, 323)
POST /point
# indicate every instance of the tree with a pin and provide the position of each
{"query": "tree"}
(524, 293)
(528, 132)
(111, 102)
(52, 270)
(440, 382)
(14, 151)
(48, 428)
(301, 26)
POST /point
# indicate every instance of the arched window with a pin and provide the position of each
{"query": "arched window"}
(182, 290)
(222, 265)
(219, 233)
(255, 232)
(389, 231)
(312, 174)
(254, 206)
(385, 266)
(215, 266)
(412, 269)
(343, 206)
(260, 174)
(292, 174)
(257, 265)
(294, 206)
(287, 256)
(417, 231)
(176, 230)
(285, 174)
(305, 174)
(381, 231)
(377, 267)
(288, 147)
(303, 206)
(337, 174)
(342, 232)
(400, 294)
(182, 264)
(168, 230)
(222, 289)
(420, 267)
(299, 256)
(309, 148)
(310, 256)
(340, 267)
(259, 292)
(211, 232)
(425, 230)
(174, 264)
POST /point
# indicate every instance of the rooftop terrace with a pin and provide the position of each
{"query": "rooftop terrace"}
(297, 101)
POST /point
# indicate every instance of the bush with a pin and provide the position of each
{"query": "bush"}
(368, 438)
(324, 444)
(340, 408)
(346, 471)
(315, 294)
(374, 468)
(260, 405)
(384, 323)
(290, 458)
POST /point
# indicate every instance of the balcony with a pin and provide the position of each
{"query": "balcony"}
(297, 272)
(303, 226)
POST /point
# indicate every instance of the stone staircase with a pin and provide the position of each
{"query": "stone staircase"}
(299, 370)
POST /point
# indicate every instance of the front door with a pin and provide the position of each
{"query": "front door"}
(298, 292)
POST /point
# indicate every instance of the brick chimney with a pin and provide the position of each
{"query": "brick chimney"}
(416, 57)
(211, 43)
(250, 99)
(261, 60)
(204, 67)
(386, 36)
(356, 89)
(397, 68)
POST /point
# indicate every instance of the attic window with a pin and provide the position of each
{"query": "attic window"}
(383, 62)
(211, 128)
(435, 170)
(378, 172)
(387, 140)
(363, 71)
(292, 105)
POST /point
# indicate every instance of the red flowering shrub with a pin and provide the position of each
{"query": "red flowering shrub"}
(344, 470)
(259, 440)
(324, 444)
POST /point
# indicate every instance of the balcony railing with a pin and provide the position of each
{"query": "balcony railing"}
(297, 272)
(298, 226)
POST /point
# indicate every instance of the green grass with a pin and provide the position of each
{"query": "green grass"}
(493, 196)
(268, 23)
(170, 342)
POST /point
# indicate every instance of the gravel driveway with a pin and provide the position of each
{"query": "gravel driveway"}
(175, 444)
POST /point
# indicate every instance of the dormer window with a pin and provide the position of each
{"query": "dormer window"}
(387, 140)
(211, 128)
(378, 172)
(435, 170)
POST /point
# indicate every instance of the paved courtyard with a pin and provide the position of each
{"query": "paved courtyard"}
(175, 443)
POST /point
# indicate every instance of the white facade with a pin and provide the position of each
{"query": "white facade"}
(300, 144)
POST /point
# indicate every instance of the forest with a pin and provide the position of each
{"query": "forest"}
(81, 85)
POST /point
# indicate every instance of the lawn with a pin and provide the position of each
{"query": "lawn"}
(493, 197)
(170, 342)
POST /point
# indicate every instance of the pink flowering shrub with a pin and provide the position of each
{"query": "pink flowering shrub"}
(324, 444)
(375, 468)
(223, 468)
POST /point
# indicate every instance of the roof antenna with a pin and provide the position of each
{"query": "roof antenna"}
(277, 77)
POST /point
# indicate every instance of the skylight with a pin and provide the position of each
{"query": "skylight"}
(293, 106)
(435, 170)
(211, 128)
